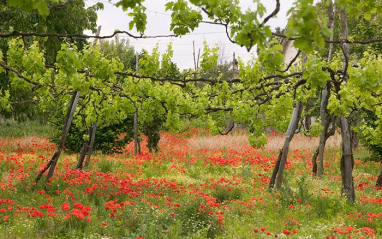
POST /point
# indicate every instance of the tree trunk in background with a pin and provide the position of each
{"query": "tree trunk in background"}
(68, 120)
(354, 139)
(281, 162)
(307, 122)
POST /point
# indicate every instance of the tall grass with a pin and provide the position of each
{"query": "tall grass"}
(10, 129)
(234, 141)
(25, 136)
(239, 140)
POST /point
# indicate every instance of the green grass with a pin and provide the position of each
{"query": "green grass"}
(183, 194)
(10, 129)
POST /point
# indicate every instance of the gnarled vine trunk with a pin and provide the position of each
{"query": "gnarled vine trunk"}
(278, 170)
(347, 160)
(87, 148)
(379, 179)
(91, 145)
(84, 151)
(325, 123)
(325, 93)
(281, 161)
(322, 143)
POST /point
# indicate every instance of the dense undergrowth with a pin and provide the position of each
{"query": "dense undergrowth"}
(184, 191)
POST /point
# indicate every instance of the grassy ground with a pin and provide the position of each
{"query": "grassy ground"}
(197, 186)
(10, 129)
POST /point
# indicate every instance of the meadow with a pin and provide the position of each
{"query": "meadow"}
(197, 186)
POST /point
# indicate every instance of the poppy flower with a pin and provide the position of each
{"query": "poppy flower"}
(65, 206)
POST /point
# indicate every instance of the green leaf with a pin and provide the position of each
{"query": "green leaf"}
(367, 15)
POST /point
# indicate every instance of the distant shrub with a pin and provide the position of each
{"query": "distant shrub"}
(108, 139)
(367, 139)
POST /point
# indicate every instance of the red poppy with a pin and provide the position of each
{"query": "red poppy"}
(65, 206)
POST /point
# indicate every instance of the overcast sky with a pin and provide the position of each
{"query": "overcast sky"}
(112, 18)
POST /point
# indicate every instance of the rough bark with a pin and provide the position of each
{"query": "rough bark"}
(314, 161)
(136, 140)
(87, 148)
(328, 134)
(275, 170)
(84, 151)
(354, 140)
(278, 171)
(325, 124)
(68, 120)
(281, 162)
(331, 13)
(318, 170)
(347, 160)
(379, 180)
(289, 136)
(307, 123)
(91, 145)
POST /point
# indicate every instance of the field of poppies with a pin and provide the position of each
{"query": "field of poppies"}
(197, 186)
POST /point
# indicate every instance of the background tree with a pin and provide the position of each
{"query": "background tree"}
(120, 48)
(70, 18)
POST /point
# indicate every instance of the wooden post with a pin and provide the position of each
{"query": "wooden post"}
(136, 132)
(91, 145)
(68, 120)
(327, 133)
(195, 64)
(278, 170)
(97, 34)
(87, 147)
(136, 140)
(195, 67)
(235, 68)
(347, 159)
(136, 63)
(293, 124)
(325, 123)
(324, 105)
(275, 170)
(379, 180)
(84, 151)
